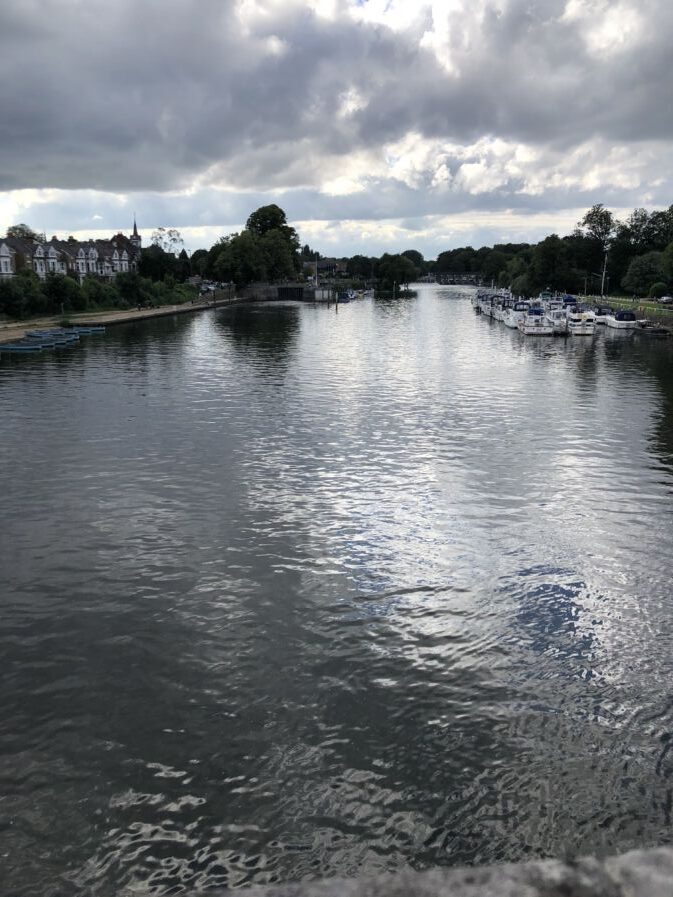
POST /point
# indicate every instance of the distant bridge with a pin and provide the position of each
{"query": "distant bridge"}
(465, 278)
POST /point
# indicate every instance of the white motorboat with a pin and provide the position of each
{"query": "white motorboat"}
(559, 320)
(536, 323)
(515, 313)
(578, 325)
(621, 320)
(601, 312)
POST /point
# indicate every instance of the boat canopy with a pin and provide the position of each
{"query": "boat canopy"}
(625, 316)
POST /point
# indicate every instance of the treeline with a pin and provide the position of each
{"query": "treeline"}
(26, 295)
(602, 254)
(633, 256)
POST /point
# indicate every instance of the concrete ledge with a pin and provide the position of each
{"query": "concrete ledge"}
(639, 873)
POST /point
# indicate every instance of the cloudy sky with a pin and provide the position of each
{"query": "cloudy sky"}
(376, 124)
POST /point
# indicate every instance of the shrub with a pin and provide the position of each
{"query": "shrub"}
(657, 290)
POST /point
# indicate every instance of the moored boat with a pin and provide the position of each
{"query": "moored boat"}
(621, 320)
(644, 325)
(536, 323)
(559, 320)
(515, 313)
(601, 312)
(27, 346)
(578, 325)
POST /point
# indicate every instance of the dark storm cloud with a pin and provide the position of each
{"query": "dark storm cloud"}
(136, 96)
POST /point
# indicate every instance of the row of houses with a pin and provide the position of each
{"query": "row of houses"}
(101, 258)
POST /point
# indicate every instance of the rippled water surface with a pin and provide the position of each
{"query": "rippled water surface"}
(290, 591)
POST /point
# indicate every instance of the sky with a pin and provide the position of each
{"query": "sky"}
(377, 125)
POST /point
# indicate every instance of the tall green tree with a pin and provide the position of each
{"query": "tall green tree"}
(156, 262)
(599, 224)
(266, 218)
(643, 271)
(24, 232)
(395, 270)
(416, 258)
(667, 262)
(278, 255)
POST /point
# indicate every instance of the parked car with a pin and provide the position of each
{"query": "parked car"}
(666, 300)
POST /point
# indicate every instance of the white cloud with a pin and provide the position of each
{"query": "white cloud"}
(342, 110)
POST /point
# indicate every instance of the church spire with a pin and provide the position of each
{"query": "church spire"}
(136, 239)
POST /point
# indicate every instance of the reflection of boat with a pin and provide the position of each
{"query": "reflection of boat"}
(621, 320)
(536, 323)
(579, 325)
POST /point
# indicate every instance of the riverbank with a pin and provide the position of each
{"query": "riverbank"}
(15, 330)
(643, 308)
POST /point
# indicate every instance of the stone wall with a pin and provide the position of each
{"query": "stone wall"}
(640, 873)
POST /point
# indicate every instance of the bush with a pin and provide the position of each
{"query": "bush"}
(657, 290)
(12, 299)
(63, 294)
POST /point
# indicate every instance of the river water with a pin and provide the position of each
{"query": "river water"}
(295, 591)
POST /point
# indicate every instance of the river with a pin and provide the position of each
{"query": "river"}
(297, 591)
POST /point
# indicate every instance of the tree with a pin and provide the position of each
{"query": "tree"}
(266, 218)
(360, 266)
(551, 265)
(494, 262)
(395, 269)
(239, 258)
(599, 224)
(199, 261)
(667, 262)
(643, 271)
(23, 232)
(278, 255)
(416, 259)
(309, 255)
(156, 263)
(168, 239)
(261, 224)
(63, 293)
(521, 286)
(657, 290)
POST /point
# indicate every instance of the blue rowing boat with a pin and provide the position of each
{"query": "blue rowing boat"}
(21, 347)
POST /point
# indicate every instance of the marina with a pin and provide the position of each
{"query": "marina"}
(559, 315)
